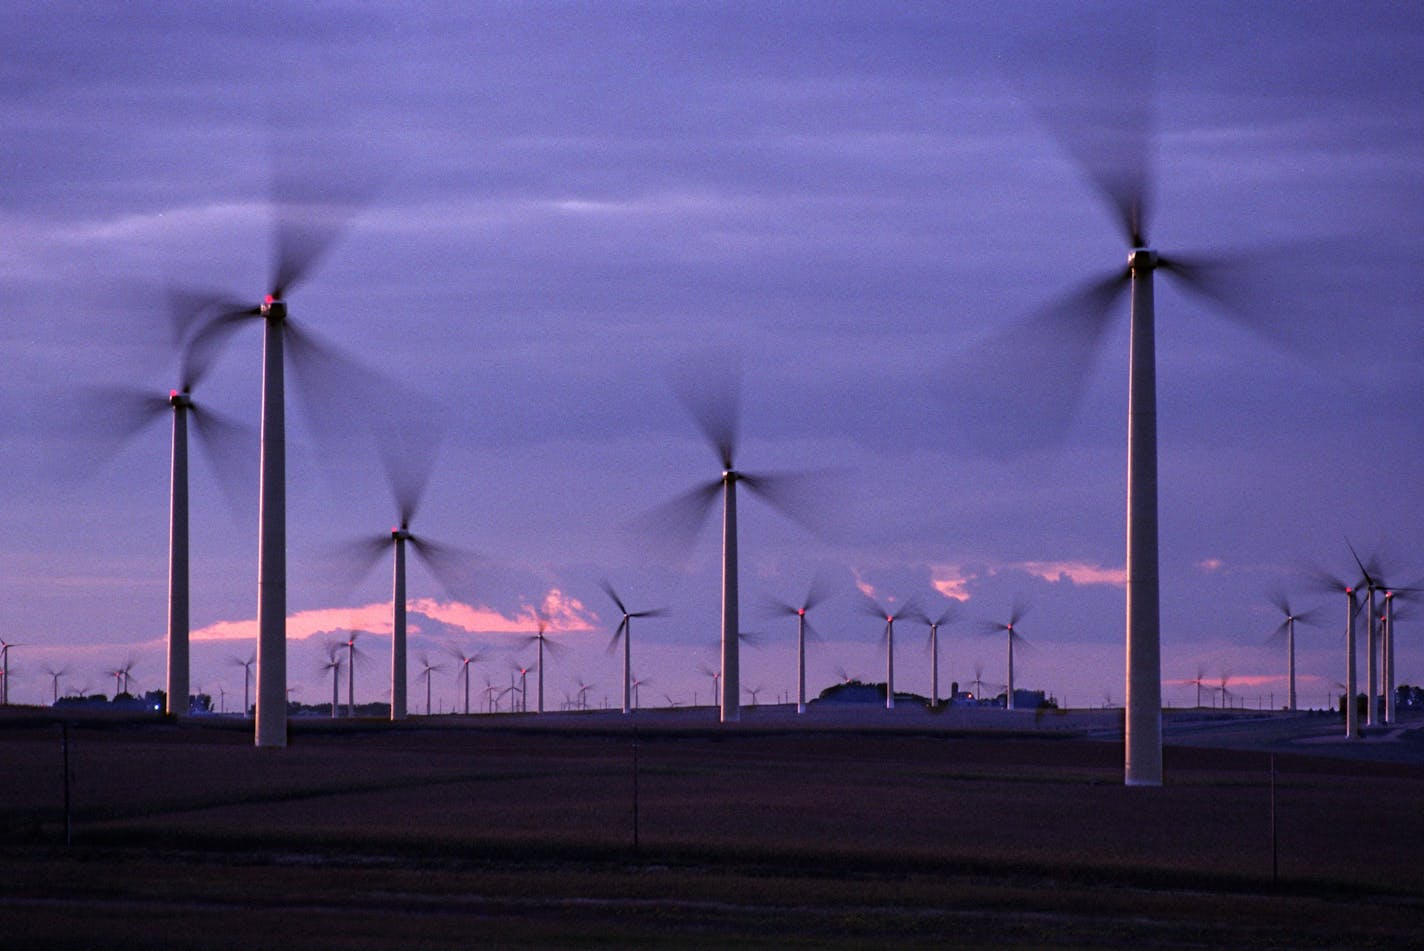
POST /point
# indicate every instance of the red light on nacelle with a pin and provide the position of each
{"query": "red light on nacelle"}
(268, 299)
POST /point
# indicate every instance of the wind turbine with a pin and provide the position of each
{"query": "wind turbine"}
(583, 690)
(814, 596)
(333, 664)
(308, 218)
(946, 616)
(1009, 628)
(541, 638)
(1329, 582)
(246, 666)
(427, 670)
(1225, 694)
(876, 610)
(523, 671)
(716, 676)
(717, 411)
(1103, 117)
(753, 692)
(121, 676)
(624, 631)
(125, 412)
(5, 670)
(353, 655)
(54, 675)
(465, 661)
(1286, 630)
(1387, 619)
(1198, 681)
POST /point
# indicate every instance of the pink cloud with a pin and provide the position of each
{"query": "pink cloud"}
(1077, 572)
(563, 613)
(950, 582)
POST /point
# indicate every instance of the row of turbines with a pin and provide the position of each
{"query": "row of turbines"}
(1111, 142)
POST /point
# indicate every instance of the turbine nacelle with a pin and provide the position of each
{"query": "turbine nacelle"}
(273, 308)
(1142, 259)
(180, 399)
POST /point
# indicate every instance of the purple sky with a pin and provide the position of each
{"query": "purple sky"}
(573, 199)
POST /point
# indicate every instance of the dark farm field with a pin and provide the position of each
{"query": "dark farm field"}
(499, 832)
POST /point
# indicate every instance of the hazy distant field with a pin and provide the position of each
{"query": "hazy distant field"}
(500, 831)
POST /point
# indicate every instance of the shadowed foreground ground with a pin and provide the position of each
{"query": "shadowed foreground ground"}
(490, 832)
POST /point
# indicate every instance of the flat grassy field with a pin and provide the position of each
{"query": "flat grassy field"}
(488, 831)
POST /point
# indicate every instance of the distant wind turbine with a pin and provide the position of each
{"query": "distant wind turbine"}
(541, 639)
(465, 661)
(716, 676)
(333, 664)
(246, 666)
(427, 670)
(1011, 629)
(1286, 631)
(716, 408)
(814, 596)
(5, 670)
(876, 610)
(1329, 582)
(624, 632)
(54, 673)
(946, 616)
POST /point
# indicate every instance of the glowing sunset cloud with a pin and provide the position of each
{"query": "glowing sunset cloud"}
(1210, 564)
(1077, 572)
(563, 613)
(374, 618)
(866, 588)
(951, 582)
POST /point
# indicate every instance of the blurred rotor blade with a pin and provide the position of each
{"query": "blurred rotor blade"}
(802, 497)
(315, 202)
(209, 322)
(1283, 293)
(107, 418)
(343, 399)
(353, 558)
(655, 612)
(408, 456)
(454, 568)
(1103, 114)
(673, 526)
(232, 451)
(709, 385)
(1038, 369)
(1278, 599)
(1279, 634)
(607, 586)
(618, 633)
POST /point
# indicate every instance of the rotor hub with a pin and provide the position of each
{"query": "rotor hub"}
(274, 308)
(1142, 259)
(180, 399)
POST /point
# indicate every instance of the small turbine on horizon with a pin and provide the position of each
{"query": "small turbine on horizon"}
(814, 596)
(1286, 631)
(624, 631)
(876, 610)
(1009, 628)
